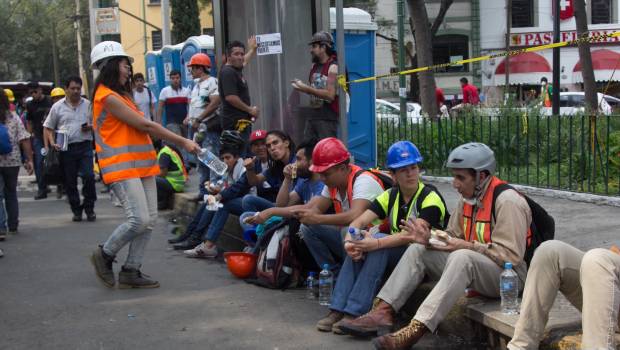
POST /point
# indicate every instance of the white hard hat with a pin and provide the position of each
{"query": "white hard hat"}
(106, 50)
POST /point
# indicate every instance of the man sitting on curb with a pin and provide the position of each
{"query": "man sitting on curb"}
(348, 188)
(479, 243)
(590, 281)
(172, 177)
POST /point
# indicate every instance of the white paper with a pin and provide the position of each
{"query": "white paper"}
(269, 44)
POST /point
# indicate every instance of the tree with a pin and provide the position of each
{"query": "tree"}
(185, 19)
(587, 70)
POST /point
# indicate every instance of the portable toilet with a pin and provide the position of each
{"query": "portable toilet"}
(359, 41)
(171, 58)
(192, 46)
(154, 72)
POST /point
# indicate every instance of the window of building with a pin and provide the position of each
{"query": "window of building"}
(111, 37)
(601, 11)
(156, 41)
(453, 47)
(154, 2)
(522, 13)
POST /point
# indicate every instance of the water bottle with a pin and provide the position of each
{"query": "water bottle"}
(509, 290)
(212, 161)
(326, 281)
(201, 133)
(355, 233)
(312, 286)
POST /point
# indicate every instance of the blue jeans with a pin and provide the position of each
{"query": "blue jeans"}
(78, 161)
(256, 203)
(212, 143)
(37, 145)
(325, 245)
(233, 206)
(9, 209)
(359, 282)
(139, 199)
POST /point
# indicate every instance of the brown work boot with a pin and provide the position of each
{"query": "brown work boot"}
(133, 278)
(326, 324)
(379, 320)
(336, 326)
(403, 339)
(103, 267)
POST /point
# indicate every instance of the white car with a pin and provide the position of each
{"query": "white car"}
(573, 102)
(388, 110)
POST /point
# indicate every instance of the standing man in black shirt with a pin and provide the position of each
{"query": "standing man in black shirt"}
(36, 111)
(237, 110)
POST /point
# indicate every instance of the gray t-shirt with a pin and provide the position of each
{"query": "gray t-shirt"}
(69, 119)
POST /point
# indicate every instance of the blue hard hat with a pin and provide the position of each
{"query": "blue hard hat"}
(402, 154)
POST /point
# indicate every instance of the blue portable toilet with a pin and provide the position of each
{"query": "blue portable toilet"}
(154, 72)
(171, 58)
(192, 46)
(359, 40)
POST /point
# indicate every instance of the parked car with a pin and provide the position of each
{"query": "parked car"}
(573, 102)
(386, 110)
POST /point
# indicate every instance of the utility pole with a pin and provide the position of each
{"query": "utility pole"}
(78, 34)
(55, 55)
(402, 83)
(165, 22)
(508, 27)
(342, 95)
(146, 42)
(556, 59)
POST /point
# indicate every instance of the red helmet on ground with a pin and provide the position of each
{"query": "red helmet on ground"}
(327, 153)
(200, 59)
(240, 264)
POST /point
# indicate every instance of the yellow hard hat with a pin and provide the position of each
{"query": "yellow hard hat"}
(57, 92)
(9, 94)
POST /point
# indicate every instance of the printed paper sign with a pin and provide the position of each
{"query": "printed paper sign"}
(269, 44)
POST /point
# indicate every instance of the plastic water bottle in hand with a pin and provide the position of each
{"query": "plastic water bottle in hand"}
(326, 281)
(355, 233)
(212, 161)
(509, 290)
(312, 286)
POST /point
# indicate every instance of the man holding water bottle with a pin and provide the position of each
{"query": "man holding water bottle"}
(471, 254)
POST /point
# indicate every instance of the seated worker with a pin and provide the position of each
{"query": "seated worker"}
(232, 196)
(348, 189)
(281, 153)
(478, 245)
(172, 176)
(370, 258)
(589, 280)
(229, 154)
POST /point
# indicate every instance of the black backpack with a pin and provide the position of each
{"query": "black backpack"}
(428, 188)
(542, 226)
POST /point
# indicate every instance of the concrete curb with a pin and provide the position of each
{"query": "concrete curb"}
(536, 191)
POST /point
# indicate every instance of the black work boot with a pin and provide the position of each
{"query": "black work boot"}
(180, 238)
(133, 278)
(190, 243)
(103, 266)
(90, 215)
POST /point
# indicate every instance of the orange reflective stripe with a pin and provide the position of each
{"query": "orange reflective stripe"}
(480, 225)
(334, 191)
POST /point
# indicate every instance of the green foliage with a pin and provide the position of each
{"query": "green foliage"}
(572, 153)
(185, 18)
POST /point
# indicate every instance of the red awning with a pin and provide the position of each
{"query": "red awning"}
(604, 59)
(527, 62)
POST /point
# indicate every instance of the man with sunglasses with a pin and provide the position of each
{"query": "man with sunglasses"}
(36, 111)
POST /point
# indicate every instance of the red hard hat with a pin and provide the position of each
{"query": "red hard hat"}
(240, 264)
(200, 59)
(327, 153)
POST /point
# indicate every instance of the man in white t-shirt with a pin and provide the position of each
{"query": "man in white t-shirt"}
(143, 97)
(348, 188)
(204, 101)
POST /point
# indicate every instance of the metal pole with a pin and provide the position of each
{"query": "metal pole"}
(165, 22)
(55, 55)
(344, 132)
(146, 42)
(556, 59)
(402, 87)
(508, 27)
(91, 21)
(218, 25)
(78, 34)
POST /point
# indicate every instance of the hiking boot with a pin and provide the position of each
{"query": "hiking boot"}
(133, 278)
(190, 243)
(59, 192)
(2, 235)
(201, 251)
(40, 195)
(103, 266)
(91, 216)
(379, 320)
(76, 217)
(13, 231)
(403, 339)
(180, 238)
(336, 326)
(327, 323)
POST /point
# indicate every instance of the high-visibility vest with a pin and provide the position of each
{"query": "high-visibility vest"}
(176, 178)
(123, 152)
(476, 221)
(334, 191)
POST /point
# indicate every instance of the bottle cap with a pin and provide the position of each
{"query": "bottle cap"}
(325, 266)
(508, 266)
(312, 274)
(351, 229)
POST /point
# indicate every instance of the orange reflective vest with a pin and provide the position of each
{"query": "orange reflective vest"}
(476, 222)
(123, 151)
(334, 191)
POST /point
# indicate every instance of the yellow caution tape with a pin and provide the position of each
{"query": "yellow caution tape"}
(342, 81)
(525, 126)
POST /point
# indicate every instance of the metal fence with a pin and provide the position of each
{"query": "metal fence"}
(575, 153)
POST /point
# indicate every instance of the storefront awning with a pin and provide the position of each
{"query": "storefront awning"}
(604, 62)
(526, 68)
